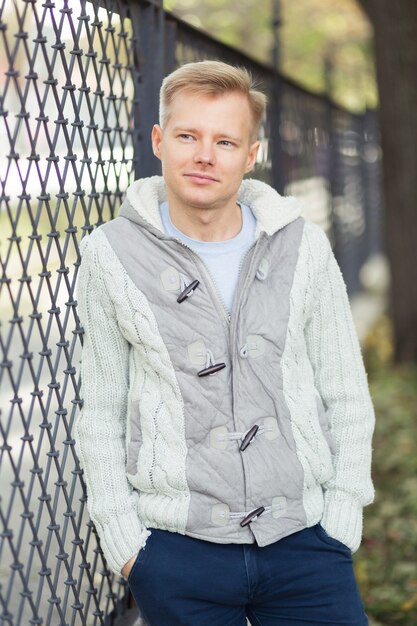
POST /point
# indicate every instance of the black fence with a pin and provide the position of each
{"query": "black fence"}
(79, 86)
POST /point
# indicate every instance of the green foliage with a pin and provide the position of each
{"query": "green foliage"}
(311, 32)
(343, 36)
(386, 564)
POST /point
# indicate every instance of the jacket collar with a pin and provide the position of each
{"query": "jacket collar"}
(272, 211)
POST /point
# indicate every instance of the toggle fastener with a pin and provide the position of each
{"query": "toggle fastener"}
(212, 369)
(247, 439)
(252, 516)
(188, 291)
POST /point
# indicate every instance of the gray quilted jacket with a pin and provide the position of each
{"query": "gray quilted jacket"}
(226, 428)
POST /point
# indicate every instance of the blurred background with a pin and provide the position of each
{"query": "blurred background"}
(79, 85)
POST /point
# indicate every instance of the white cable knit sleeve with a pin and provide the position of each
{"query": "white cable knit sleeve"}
(100, 426)
(341, 379)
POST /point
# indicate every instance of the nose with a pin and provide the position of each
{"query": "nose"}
(204, 153)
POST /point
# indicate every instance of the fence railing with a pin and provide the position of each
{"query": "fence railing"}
(79, 87)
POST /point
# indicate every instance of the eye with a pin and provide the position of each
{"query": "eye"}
(226, 142)
(185, 136)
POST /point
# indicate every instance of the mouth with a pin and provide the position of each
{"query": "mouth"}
(201, 178)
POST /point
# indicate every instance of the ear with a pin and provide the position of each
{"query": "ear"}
(251, 160)
(157, 134)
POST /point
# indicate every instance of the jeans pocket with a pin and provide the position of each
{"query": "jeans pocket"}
(324, 536)
(141, 557)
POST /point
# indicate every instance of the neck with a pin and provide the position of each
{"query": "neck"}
(207, 224)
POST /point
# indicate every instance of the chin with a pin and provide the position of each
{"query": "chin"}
(199, 199)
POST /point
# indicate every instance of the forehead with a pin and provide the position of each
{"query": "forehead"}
(215, 111)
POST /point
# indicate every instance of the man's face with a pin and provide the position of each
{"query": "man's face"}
(205, 149)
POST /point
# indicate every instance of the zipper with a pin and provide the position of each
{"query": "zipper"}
(218, 298)
(241, 289)
(242, 261)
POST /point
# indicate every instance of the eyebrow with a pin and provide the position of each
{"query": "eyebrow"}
(196, 131)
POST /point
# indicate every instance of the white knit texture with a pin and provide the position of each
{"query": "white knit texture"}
(101, 428)
(341, 380)
(126, 367)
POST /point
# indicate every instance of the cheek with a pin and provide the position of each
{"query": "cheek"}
(178, 155)
(236, 167)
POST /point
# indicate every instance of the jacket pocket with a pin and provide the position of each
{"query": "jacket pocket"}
(135, 439)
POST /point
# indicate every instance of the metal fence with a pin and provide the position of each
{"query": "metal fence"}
(79, 88)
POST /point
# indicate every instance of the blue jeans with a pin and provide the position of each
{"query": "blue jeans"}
(304, 579)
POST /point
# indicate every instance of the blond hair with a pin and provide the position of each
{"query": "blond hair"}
(212, 78)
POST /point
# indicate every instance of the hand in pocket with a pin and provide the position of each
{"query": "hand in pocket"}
(126, 569)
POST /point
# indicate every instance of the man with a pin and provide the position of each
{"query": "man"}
(226, 428)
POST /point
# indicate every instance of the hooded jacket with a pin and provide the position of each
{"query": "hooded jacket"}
(228, 428)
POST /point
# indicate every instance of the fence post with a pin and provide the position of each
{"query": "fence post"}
(148, 27)
(277, 157)
(371, 155)
(170, 44)
(277, 154)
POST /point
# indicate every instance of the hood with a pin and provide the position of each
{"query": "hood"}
(272, 211)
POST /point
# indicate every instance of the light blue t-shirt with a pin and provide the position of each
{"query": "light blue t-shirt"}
(221, 257)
